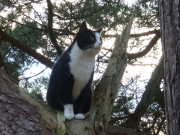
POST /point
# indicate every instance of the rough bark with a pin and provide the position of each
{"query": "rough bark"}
(21, 114)
(170, 30)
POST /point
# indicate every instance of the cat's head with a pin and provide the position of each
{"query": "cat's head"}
(88, 40)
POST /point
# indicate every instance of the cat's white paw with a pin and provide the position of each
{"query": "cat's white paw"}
(68, 111)
(79, 116)
(69, 116)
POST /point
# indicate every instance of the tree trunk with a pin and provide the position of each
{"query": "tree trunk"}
(170, 30)
(22, 114)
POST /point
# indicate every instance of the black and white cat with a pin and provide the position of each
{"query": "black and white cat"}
(69, 87)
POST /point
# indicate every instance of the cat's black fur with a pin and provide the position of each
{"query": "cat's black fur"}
(62, 80)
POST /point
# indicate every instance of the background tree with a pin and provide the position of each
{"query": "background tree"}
(169, 13)
(35, 32)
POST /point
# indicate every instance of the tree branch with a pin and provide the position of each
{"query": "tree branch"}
(22, 113)
(148, 96)
(146, 50)
(145, 33)
(123, 131)
(50, 30)
(107, 89)
(26, 49)
(134, 35)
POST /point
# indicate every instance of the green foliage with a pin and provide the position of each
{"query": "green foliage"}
(29, 34)
(153, 120)
(37, 87)
(15, 60)
(147, 13)
(123, 107)
(105, 14)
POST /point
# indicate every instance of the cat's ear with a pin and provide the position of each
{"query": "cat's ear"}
(100, 30)
(83, 27)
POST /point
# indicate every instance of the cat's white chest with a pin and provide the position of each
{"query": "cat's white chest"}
(81, 67)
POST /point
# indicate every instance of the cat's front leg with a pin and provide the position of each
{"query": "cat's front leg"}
(68, 111)
(78, 110)
(82, 104)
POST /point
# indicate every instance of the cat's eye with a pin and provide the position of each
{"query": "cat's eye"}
(92, 38)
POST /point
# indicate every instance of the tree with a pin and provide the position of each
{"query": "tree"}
(169, 14)
(21, 113)
(40, 37)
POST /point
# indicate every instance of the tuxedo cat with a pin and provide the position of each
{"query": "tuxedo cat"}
(70, 82)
